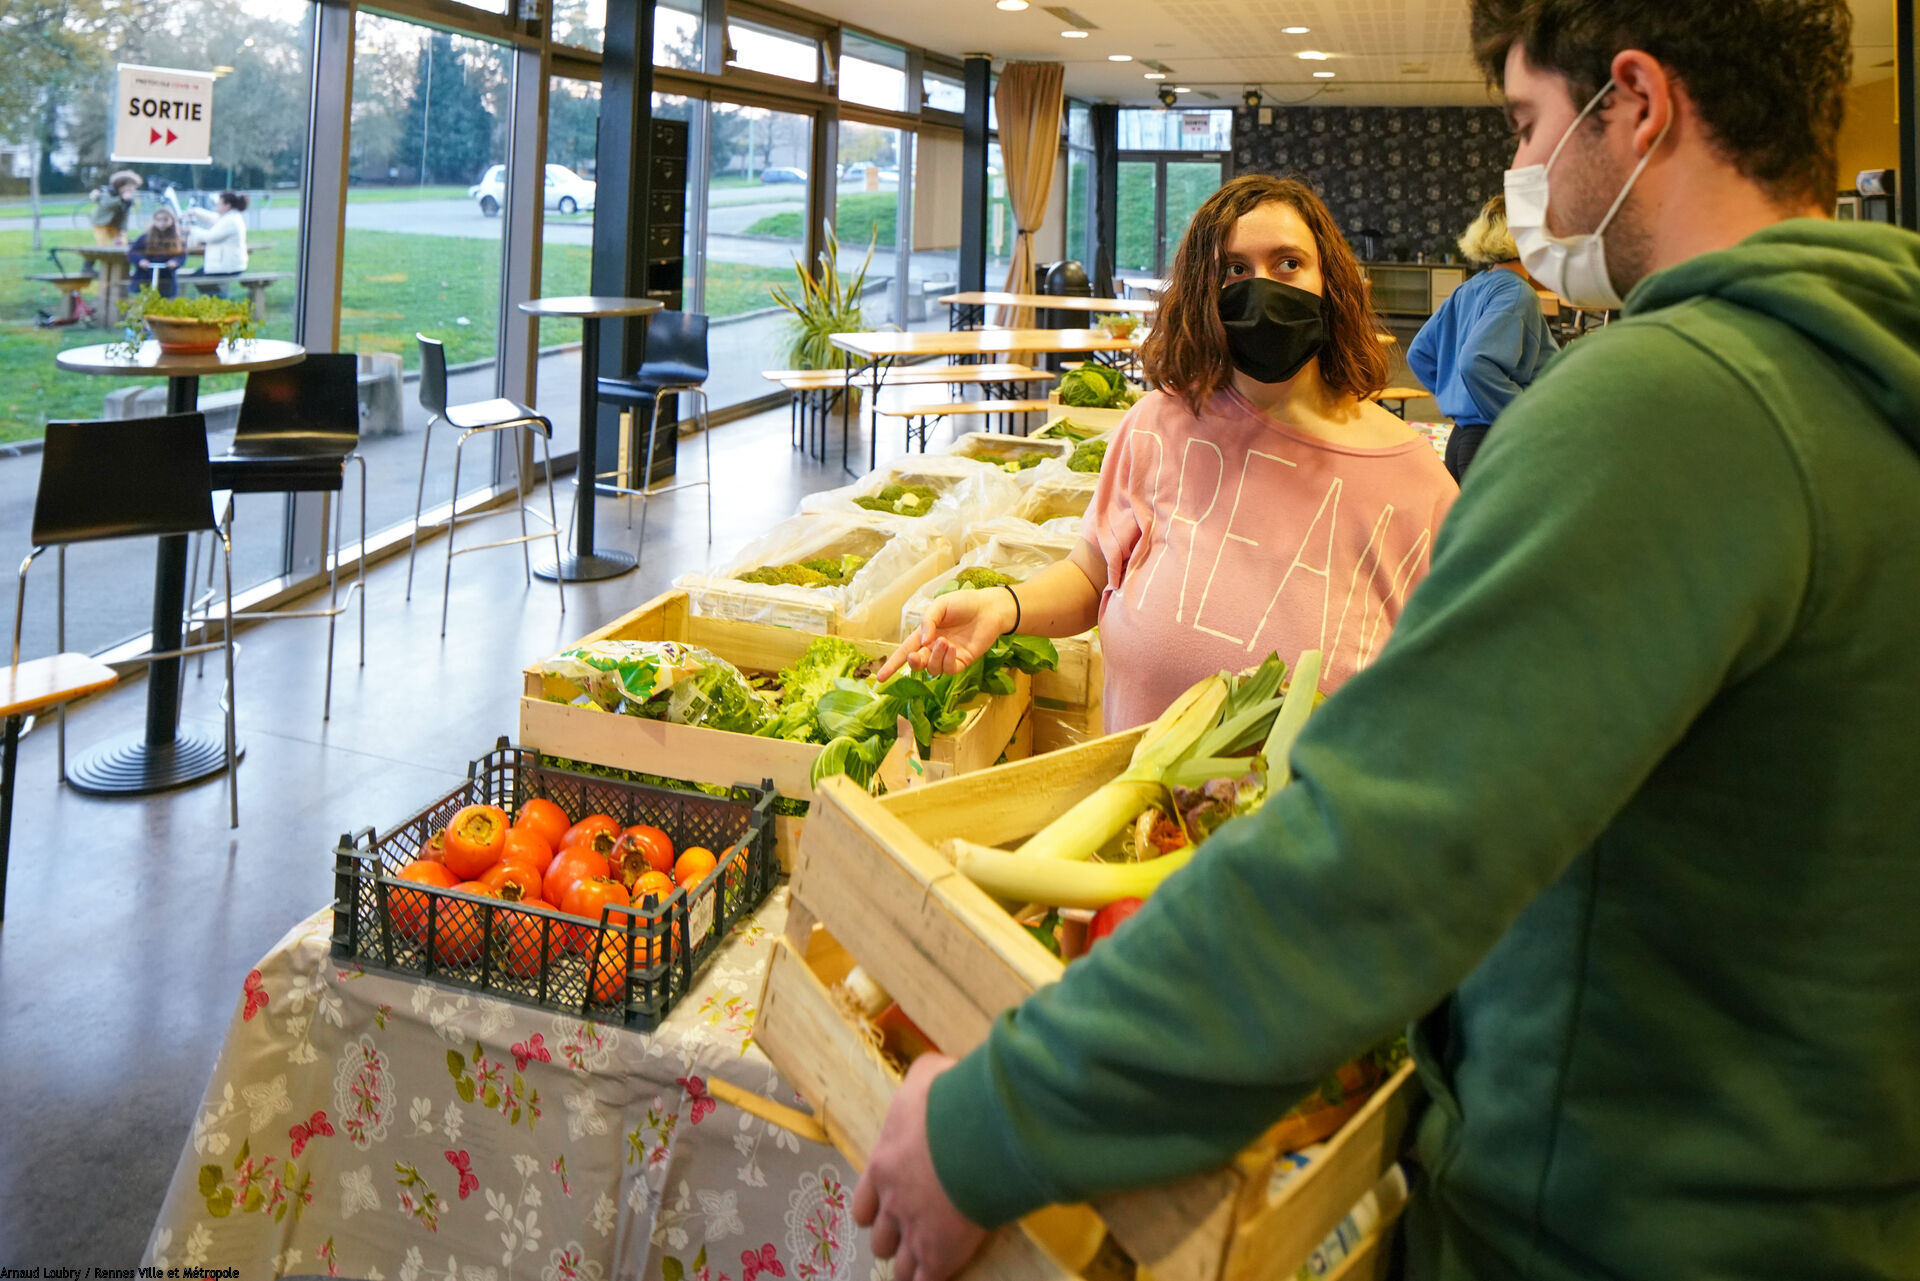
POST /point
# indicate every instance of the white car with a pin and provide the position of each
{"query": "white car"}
(567, 191)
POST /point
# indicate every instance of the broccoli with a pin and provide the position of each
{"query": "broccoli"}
(1022, 463)
(977, 577)
(827, 659)
(1088, 456)
(900, 500)
(837, 568)
(818, 572)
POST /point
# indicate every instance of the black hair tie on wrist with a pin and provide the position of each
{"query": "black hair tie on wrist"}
(1016, 608)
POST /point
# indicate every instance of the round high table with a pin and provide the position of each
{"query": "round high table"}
(587, 564)
(165, 756)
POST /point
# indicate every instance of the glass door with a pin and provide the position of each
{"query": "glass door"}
(1159, 194)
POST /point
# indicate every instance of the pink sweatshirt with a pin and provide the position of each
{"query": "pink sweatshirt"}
(1228, 535)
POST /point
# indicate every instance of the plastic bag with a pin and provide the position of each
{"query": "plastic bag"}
(1009, 555)
(941, 490)
(1060, 529)
(1018, 456)
(1056, 492)
(896, 556)
(661, 680)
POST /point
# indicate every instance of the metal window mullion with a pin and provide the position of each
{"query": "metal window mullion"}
(522, 228)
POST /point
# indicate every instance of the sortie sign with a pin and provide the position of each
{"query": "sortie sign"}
(163, 114)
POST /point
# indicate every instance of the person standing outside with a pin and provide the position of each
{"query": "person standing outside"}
(111, 206)
(1258, 500)
(1487, 342)
(1626, 814)
(225, 238)
(157, 253)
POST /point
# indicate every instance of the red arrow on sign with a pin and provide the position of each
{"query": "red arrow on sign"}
(171, 137)
(155, 136)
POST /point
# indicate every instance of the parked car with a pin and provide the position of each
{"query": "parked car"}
(567, 192)
(857, 172)
(782, 174)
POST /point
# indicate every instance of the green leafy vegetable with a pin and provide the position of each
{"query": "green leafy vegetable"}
(822, 571)
(827, 659)
(1094, 386)
(1088, 456)
(1066, 429)
(660, 680)
(901, 500)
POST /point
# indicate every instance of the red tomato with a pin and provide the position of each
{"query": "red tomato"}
(659, 846)
(460, 928)
(408, 908)
(565, 871)
(587, 828)
(1108, 918)
(524, 845)
(512, 882)
(475, 839)
(545, 819)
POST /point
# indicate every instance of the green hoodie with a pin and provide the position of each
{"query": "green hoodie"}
(1635, 781)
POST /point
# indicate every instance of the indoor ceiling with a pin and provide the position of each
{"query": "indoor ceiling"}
(1384, 52)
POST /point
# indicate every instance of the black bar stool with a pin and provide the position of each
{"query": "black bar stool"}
(472, 419)
(299, 428)
(129, 478)
(673, 364)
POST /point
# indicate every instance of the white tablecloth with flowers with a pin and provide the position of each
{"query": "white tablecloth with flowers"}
(364, 1125)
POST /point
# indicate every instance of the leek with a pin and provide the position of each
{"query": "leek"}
(1061, 882)
(1291, 720)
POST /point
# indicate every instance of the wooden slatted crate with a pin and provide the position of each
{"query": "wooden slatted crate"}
(870, 883)
(996, 724)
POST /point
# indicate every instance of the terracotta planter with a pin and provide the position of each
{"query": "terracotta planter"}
(183, 336)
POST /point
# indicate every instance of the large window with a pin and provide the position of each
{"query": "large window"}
(427, 187)
(939, 92)
(873, 73)
(54, 106)
(1080, 170)
(756, 229)
(677, 32)
(774, 52)
(866, 216)
(566, 247)
(1143, 130)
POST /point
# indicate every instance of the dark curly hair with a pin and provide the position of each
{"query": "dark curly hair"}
(1187, 354)
(1769, 76)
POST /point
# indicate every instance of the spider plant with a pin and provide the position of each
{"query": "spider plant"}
(823, 306)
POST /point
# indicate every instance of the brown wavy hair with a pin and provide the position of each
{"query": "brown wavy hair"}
(1187, 351)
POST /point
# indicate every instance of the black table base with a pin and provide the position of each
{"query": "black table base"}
(132, 766)
(585, 569)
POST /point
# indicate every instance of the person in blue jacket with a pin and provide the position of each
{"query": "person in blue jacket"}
(1487, 342)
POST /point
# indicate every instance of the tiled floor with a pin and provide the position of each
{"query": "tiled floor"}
(131, 924)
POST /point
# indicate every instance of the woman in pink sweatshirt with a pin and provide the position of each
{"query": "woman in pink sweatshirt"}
(1258, 500)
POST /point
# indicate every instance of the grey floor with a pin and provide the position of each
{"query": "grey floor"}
(131, 924)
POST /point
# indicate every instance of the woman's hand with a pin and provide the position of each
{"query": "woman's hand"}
(959, 628)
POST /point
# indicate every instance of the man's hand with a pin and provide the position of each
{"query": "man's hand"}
(900, 1196)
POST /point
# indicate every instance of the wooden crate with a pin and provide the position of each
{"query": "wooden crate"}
(995, 723)
(819, 613)
(870, 876)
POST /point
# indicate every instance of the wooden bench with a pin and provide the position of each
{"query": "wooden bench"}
(1400, 395)
(34, 687)
(256, 284)
(815, 392)
(919, 418)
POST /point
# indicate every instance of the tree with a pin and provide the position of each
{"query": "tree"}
(52, 46)
(448, 132)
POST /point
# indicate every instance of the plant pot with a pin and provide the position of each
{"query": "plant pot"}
(185, 336)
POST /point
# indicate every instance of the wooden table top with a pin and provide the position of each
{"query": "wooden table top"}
(1055, 302)
(58, 678)
(596, 305)
(978, 342)
(230, 358)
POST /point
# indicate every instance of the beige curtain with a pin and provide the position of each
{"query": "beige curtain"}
(1029, 104)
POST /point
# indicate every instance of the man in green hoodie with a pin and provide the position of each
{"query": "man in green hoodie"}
(1627, 813)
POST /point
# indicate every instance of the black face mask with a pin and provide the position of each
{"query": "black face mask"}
(1273, 330)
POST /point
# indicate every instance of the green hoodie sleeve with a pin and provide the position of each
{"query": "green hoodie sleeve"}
(1586, 602)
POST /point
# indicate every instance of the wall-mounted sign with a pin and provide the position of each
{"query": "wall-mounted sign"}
(1196, 124)
(163, 114)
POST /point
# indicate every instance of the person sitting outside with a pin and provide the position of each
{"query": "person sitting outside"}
(157, 253)
(111, 205)
(224, 238)
(1487, 342)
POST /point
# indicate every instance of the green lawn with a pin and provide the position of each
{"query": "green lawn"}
(393, 285)
(859, 218)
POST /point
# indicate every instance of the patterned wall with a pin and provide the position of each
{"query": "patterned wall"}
(1415, 175)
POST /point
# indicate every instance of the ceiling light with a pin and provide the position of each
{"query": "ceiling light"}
(1295, 31)
(1011, 6)
(1074, 33)
(1323, 75)
(1313, 55)
(1251, 97)
(1182, 89)
(1166, 97)
(1156, 75)
(1119, 57)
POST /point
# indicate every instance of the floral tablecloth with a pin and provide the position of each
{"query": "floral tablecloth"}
(364, 1125)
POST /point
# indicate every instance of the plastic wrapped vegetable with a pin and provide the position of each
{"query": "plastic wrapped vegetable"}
(660, 680)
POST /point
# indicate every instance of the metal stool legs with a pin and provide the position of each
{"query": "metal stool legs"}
(653, 430)
(419, 498)
(454, 519)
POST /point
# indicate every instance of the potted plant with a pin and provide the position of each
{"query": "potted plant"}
(1117, 324)
(186, 326)
(824, 307)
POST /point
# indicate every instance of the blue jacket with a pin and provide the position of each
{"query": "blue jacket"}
(1483, 347)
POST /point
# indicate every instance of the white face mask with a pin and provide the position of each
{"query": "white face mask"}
(1574, 267)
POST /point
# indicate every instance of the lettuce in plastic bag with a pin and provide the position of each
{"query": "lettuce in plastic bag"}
(660, 680)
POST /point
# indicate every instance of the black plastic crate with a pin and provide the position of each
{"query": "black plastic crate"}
(632, 967)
